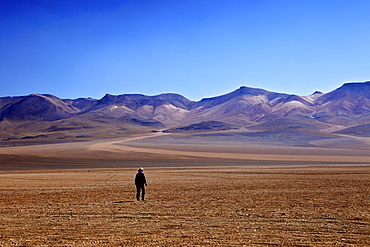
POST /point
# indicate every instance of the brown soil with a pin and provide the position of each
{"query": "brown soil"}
(198, 206)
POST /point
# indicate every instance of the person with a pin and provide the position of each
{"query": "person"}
(140, 183)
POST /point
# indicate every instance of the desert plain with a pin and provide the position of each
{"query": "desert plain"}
(201, 192)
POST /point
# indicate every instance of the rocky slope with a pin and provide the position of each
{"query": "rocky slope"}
(47, 115)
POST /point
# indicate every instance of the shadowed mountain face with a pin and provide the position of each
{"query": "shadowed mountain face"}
(37, 108)
(347, 105)
(258, 109)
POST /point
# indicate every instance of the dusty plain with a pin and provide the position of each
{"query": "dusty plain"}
(199, 193)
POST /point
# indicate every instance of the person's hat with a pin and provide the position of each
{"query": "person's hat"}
(141, 169)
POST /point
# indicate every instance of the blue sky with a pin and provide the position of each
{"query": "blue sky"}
(197, 48)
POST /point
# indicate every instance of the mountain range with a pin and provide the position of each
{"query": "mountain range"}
(345, 110)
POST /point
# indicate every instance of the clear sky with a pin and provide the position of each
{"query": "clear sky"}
(197, 48)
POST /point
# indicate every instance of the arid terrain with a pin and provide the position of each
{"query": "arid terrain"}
(201, 192)
(198, 206)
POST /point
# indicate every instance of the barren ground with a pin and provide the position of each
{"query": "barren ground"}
(199, 206)
(200, 193)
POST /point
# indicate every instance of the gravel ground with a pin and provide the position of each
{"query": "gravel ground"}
(198, 206)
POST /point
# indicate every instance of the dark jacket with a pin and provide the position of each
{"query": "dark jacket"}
(140, 179)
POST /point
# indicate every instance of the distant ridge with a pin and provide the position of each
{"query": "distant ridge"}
(47, 116)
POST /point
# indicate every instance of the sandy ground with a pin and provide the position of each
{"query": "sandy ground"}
(154, 147)
(198, 206)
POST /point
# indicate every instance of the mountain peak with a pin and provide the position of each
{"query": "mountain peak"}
(354, 85)
(250, 91)
(355, 89)
(316, 92)
(246, 105)
(37, 107)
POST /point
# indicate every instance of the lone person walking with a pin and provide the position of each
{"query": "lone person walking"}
(140, 183)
